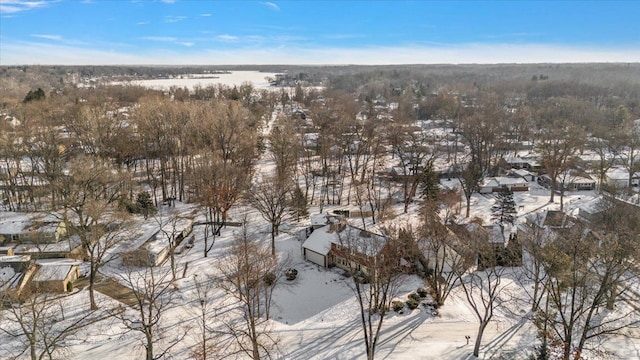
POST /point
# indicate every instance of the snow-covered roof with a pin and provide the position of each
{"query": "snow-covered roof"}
(61, 246)
(522, 172)
(6, 259)
(320, 240)
(54, 269)
(14, 223)
(495, 234)
(502, 180)
(318, 219)
(592, 206)
(9, 278)
(619, 173)
(521, 160)
(363, 241)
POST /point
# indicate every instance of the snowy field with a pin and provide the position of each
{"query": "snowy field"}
(234, 78)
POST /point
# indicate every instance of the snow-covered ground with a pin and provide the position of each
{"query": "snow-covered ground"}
(316, 316)
(233, 78)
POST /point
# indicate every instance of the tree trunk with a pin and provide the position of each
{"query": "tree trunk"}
(468, 206)
(149, 346)
(273, 239)
(611, 299)
(566, 350)
(476, 348)
(92, 281)
(32, 348)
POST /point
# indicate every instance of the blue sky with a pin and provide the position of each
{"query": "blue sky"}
(316, 32)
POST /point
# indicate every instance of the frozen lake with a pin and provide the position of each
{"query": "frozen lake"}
(190, 81)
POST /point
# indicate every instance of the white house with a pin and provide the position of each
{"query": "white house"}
(495, 184)
(619, 177)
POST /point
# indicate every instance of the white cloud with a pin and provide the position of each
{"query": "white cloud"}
(226, 37)
(168, 1)
(142, 23)
(343, 36)
(272, 5)
(187, 43)
(14, 6)
(45, 54)
(47, 36)
(174, 19)
(160, 38)
(205, 15)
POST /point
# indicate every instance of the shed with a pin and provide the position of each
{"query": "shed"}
(54, 275)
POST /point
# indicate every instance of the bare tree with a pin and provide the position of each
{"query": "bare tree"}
(269, 196)
(589, 272)
(469, 179)
(226, 139)
(373, 262)
(38, 324)
(559, 138)
(483, 287)
(284, 148)
(248, 274)
(533, 242)
(630, 141)
(173, 228)
(153, 292)
(440, 255)
(414, 155)
(89, 196)
(604, 145)
(206, 308)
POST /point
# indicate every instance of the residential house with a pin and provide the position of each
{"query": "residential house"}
(15, 275)
(488, 245)
(528, 163)
(522, 173)
(31, 228)
(618, 177)
(157, 243)
(568, 183)
(55, 275)
(496, 184)
(344, 246)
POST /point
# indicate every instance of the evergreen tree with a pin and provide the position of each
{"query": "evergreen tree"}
(144, 204)
(299, 206)
(34, 95)
(504, 209)
(430, 184)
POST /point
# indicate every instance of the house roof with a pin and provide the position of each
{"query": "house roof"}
(320, 240)
(14, 223)
(521, 172)
(503, 180)
(551, 218)
(318, 219)
(9, 278)
(54, 269)
(618, 173)
(362, 241)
